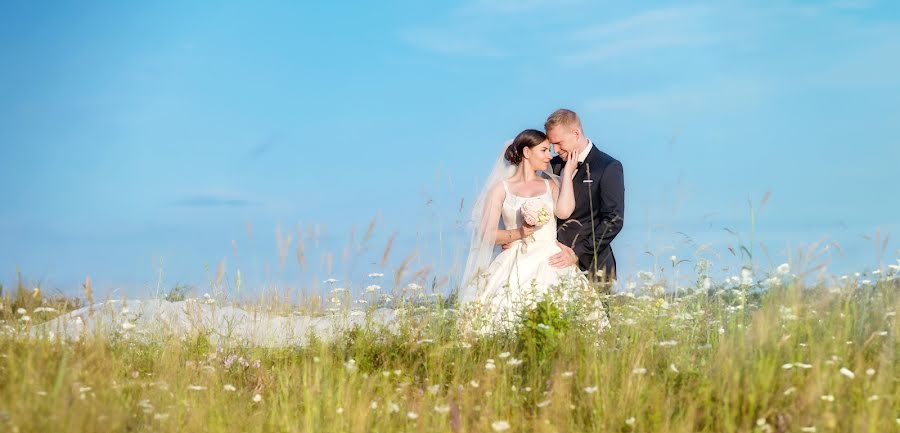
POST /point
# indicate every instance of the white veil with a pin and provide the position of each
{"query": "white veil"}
(483, 233)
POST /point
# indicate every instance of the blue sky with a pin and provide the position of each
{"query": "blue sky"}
(176, 135)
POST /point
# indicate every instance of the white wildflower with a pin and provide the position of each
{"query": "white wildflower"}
(393, 407)
(783, 269)
(827, 397)
(668, 343)
(473, 383)
(503, 355)
(673, 368)
(372, 288)
(196, 387)
(229, 387)
(500, 425)
(373, 405)
(810, 429)
(848, 373)
(257, 398)
(790, 391)
(350, 365)
(160, 417)
(567, 374)
(543, 404)
(21, 311)
(746, 276)
(631, 422)
(639, 371)
(330, 281)
(339, 410)
(490, 365)
(514, 362)
(870, 372)
(442, 408)
(803, 366)
(590, 389)
(412, 415)
(434, 389)
(873, 398)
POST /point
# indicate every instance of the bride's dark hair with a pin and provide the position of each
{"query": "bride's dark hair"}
(527, 138)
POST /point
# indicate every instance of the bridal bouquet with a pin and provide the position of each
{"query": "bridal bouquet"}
(534, 213)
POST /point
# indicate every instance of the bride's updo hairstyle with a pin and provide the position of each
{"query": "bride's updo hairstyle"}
(527, 138)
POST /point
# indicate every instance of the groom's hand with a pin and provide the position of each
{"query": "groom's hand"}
(564, 258)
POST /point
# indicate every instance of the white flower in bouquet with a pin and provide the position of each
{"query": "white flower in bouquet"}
(534, 213)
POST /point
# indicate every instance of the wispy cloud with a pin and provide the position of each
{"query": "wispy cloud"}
(722, 95)
(640, 33)
(213, 200)
(451, 42)
(502, 7)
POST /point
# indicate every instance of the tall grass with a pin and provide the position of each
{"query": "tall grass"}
(777, 356)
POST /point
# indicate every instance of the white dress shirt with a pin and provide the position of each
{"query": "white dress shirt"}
(584, 153)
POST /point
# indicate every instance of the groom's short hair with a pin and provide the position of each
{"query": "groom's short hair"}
(563, 117)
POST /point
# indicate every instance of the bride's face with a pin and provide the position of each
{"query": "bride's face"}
(538, 156)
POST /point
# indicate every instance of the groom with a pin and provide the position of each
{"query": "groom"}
(599, 200)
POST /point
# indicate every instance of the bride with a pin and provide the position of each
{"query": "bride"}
(501, 287)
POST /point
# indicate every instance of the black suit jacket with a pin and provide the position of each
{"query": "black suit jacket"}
(599, 213)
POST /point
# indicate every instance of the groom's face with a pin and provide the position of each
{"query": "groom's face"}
(564, 140)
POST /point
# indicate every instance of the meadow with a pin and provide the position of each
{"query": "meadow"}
(770, 352)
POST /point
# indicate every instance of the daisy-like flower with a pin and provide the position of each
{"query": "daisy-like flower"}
(514, 362)
(490, 365)
(229, 387)
(257, 398)
(473, 383)
(849, 374)
(500, 425)
(21, 311)
(503, 355)
(870, 372)
(631, 422)
(412, 415)
(590, 389)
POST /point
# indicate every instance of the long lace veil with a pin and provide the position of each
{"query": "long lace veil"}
(481, 231)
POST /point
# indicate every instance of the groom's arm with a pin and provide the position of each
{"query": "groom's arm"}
(610, 207)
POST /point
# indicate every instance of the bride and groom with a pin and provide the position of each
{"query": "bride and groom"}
(553, 219)
(558, 214)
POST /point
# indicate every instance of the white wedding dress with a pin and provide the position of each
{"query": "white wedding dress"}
(519, 276)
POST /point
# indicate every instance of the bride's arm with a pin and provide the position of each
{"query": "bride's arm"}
(490, 224)
(564, 194)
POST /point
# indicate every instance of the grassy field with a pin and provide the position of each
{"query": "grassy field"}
(750, 356)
